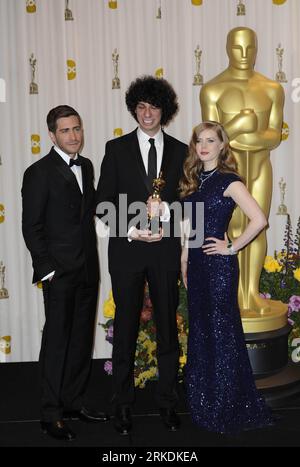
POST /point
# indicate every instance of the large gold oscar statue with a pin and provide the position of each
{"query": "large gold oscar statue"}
(250, 106)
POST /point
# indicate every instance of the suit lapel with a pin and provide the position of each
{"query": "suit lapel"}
(167, 157)
(65, 171)
(85, 185)
(135, 150)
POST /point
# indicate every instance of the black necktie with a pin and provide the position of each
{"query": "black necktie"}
(152, 161)
(74, 162)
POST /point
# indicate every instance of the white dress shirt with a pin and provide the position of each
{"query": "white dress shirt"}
(144, 144)
(76, 169)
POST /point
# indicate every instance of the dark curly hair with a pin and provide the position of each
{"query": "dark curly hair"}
(154, 91)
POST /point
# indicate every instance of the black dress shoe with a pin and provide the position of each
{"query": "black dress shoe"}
(58, 430)
(170, 419)
(87, 415)
(122, 421)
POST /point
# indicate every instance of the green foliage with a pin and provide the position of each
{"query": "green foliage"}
(280, 278)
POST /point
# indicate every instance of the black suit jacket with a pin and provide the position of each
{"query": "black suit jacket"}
(58, 220)
(123, 172)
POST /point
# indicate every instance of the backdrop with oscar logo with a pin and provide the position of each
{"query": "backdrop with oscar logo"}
(85, 54)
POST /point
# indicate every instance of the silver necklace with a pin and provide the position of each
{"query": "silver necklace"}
(203, 178)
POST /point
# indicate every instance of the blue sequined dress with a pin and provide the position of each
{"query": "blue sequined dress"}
(221, 392)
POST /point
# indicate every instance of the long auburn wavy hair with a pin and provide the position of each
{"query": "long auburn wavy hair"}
(193, 166)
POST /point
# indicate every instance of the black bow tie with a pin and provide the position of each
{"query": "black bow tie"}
(74, 162)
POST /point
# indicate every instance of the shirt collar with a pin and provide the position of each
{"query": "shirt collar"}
(143, 137)
(64, 156)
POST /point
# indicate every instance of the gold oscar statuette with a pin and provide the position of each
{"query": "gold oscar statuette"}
(116, 80)
(250, 107)
(154, 221)
(68, 12)
(33, 88)
(282, 209)
(3, 290)
(280, 75)
(31, 6)
(158, 14)
(113, 4)
(241, 9)
(198, 78)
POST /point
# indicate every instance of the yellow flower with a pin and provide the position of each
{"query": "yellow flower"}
(182, 360)
(297, 274)
(139, 383)
(282, 255)
(142, 336)
(149, 345)
(141, 379)
(109, 307)
(271, 265)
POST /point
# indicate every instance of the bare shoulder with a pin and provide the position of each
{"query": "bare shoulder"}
(235, 187)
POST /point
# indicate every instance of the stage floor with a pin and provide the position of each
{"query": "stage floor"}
(19, 418)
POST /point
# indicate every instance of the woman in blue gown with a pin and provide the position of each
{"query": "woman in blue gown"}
(221, 391)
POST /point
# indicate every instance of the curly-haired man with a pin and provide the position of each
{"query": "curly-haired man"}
(130, 164)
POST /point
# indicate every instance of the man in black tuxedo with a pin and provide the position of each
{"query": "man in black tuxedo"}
(130, 164)
(59, 231)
